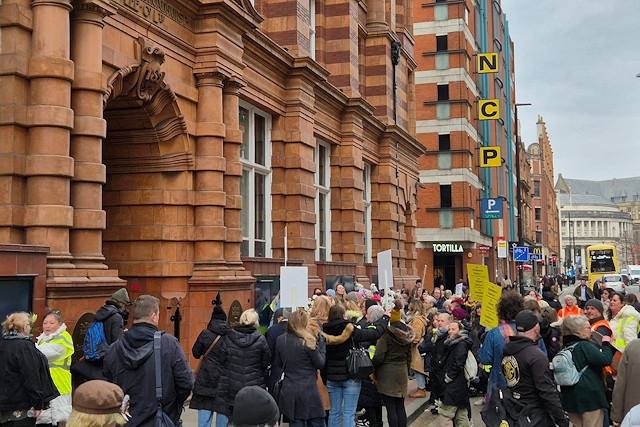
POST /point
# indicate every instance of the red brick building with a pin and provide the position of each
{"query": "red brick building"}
(166, 146)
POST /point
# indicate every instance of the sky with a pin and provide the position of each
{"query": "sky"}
(576, 62)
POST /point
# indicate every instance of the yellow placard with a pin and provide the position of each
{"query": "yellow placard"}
(488, 109)
(490, 157)
(478, 275)
(487, 62)
(490, 298)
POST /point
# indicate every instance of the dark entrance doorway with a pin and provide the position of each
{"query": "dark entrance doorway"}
(444, 271)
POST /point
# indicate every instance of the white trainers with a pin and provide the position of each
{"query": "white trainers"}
(479, 402)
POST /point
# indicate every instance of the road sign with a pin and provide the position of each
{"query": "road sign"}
(521, 253)
(536, 254)
(490, 157)
(491, 208)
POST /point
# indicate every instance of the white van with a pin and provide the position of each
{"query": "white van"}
(634, 273)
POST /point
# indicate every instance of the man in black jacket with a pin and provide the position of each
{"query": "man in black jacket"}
(130, 364)
(526, 369)
(114, 315)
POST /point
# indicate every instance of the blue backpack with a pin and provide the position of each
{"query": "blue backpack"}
(95, 343)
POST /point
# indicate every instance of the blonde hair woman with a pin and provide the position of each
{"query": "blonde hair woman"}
(300, 354)
(99, 404)
(245, 359)
(419, 324)
(24, 372)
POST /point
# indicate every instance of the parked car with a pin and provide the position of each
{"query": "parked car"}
(615, 282)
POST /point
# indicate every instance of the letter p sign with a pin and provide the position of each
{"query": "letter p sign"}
(490, 157)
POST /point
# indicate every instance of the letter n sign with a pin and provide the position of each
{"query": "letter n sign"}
(487, 62)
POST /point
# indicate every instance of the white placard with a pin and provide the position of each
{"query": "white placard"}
(385, 276)
(294, 284)
(459, 289)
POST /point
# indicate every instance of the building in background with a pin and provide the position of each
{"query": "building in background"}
(451, 97)
(181, 148)
(545, 210)
(595, 212)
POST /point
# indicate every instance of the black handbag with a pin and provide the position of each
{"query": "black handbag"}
(276, 389)
(359, 365)
(162, 419)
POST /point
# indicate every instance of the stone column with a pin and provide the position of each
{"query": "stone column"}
(210, 198)
(90, 128)
(49, 168)
(233, 173)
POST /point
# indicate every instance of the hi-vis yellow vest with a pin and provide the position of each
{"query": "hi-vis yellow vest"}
(60, 369)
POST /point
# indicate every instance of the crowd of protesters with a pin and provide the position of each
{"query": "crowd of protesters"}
(301, 360)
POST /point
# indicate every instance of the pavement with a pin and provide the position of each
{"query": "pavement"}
(414, 407)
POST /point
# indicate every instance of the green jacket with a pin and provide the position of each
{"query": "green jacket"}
(588, 394)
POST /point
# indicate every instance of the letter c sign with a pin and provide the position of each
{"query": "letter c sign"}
(489, 109)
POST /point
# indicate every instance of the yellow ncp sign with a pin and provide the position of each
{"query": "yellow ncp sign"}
(490, 157)
(489, 109)
(487, 62)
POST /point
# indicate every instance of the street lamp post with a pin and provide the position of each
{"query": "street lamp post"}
(519, 194)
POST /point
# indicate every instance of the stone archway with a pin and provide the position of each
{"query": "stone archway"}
(149, 160)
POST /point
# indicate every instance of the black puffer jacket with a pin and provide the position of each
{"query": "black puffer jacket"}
(25, 374)
(207, 389)
(245, 359)
(456, 389)
(130, 364)
(112, 321)
(339, 334)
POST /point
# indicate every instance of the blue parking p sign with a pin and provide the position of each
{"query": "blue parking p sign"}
(521, 254)
(491, 208)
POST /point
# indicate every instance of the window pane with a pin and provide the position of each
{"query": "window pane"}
(446, 219)
(246, 205)
(444, 161)
(443, 92)
(260, 135)
(244, 127)
(445, 196)
(259, 207)
(322, 238)
(441, 12)
(444, 142)
(321, 165)
(443, 111)
(441, 43)
(442, 61)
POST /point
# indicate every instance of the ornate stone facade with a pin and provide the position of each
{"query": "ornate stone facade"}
(130, 130)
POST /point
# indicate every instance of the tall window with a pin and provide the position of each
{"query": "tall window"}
(538, 212)
(323, 202)
(536, 188)
(255, 184)
(444, 142)
(366, 196)
(312, 29)
(445, 196)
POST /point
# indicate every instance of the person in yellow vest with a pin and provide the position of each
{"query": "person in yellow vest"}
(624, 321)
(57, 346)
(570, 308)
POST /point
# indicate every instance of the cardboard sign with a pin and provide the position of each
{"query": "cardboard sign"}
(294, 284)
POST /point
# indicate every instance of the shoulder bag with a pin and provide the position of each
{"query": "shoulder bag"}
(204, 356)
(162, 419)
(359, 365)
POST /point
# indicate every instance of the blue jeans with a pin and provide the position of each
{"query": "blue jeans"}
(421, 379)
(205, 417)
(343, 396)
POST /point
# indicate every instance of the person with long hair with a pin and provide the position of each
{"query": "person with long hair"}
(392, 360)
(343, 390)
(585, 402)
(207, 388)
(509, 305)
(27, 385)
(57, 346)
(419, 323)
(623, 320)
(300, 354)
(317, 317)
